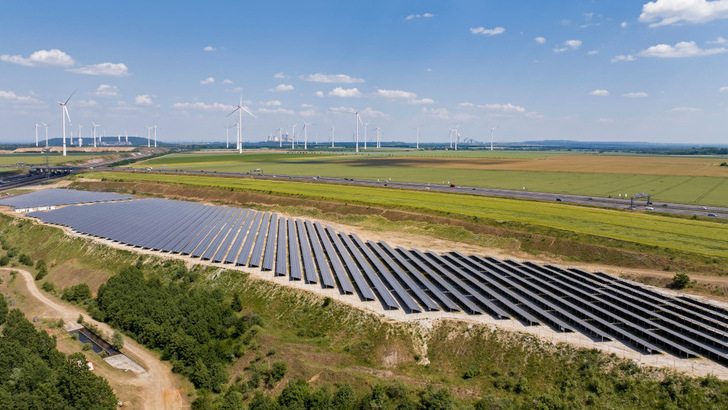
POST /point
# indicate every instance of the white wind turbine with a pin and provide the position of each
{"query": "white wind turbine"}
(333, 128)
(240, 110)
(80, 139)
(280, 137)
(365, 132)
(149, 135)
(491, 137)
(227, 134)
(126, 137)
(457, 136)
(305, 133)
(293, 135)
(46, 130)
(155, 136)
(36, 133)
(93, 131)
(379, 132)
(417, 135)
(357, 120)
(64, 116)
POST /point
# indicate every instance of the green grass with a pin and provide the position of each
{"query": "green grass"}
(703, 190)
(700, 237)
(40, 159)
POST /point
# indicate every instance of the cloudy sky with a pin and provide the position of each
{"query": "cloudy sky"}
(612, 70)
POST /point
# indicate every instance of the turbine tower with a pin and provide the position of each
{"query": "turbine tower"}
(80, 139)
(378, 130)
(36, 133)
(93, 131)
(417, 136)
(457, 136)
(365, 132)
(333, 128)
(149, 135)
(155, 136)
(293, 136)
(305, 133)
(64, 116)
(280, 137)
(126, 137)
(240, 122)
(46, 129)
(491, 138)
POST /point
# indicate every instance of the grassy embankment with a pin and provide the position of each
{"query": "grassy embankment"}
(675, 179)
(577, 233)
(328, 343)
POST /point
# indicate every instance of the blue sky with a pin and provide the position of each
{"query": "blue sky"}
(582, 70)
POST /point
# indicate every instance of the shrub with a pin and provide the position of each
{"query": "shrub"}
(278, 371)
(680, 280)
(48, 286)
(41, 274)
(77, 293)
(117, 340)
(25, 259)
(4, 260)
(344, 398)
(87, 347)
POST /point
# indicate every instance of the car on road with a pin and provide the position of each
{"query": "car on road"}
(712, 214)
(703, 208)
(649, 208)
(559, 200)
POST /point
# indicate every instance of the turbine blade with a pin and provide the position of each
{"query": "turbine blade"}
(248, 111)
(69, 98)
(234, 111)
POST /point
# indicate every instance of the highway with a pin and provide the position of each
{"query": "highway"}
(615, 203)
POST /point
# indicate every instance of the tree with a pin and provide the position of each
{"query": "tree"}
(437, 399)
(117, 340)
(4, 260)
(344, 398)
(25, 259)
(278, 371)
(77, 293)
(3, 309)
(680, 280)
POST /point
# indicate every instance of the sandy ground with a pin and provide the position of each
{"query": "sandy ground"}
(155, 388)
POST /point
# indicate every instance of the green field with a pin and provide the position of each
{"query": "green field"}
(40, 159)
(689, 189)
(694, 236)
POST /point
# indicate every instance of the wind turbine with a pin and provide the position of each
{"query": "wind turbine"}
(378, 130)
(80, 139)
(305, 133)
(94, 131)
(491, 137)
(457, 136)
(36, 133)
(365, 132)
(240, 110)
(126, 137)
(155, 137)
(333, 128)
(417, 135)
(280, 137)
(227, 135)
(293, 136)
(46, 129)
(64, 116)
(149, 137)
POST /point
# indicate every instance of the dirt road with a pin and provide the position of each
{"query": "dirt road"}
(160, 389)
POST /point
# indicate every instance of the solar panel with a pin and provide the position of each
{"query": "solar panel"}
(269, 258)
(309, 271)
(250, 240)
(333, 257)
(321, 261)
(293, 252)
(361, 284)
(281, 248)
(59, 197)
(235, 248)
(260, 241)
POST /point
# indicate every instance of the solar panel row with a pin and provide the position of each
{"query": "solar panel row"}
(59, 197)
(598, 305)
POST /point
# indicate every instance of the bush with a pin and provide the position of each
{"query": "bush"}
(87, 347)
(41, 274)
(117, 340)
(25, 259)
(344, 398)
(4, 260)
(41, 264)
(680, 281)
(48, 286)
(77, 293)
(278, 371)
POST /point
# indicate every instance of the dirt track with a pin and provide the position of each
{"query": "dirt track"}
(159, 387)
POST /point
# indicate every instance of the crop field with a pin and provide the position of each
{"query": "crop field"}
(40, 159)
(689, 180)
(695, 236)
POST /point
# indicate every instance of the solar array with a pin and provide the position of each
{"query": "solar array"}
(58, 197)
(567, 300)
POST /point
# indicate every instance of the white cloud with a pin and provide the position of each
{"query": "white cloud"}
(209, 48)
(420, 16)
(436, 113)
(271, 103)
(487, 31)
(281, 88)
(10, 96)
(592, 52)
(623, 58)
(503, 107)
(465, 105)
(41, 58)
(719, 40)
(331, 78)
(208, 80)
(86, 103)
(723, 90)
(110, 69)
(668, 12)
(682, 49)
(280, 76)
(319, 93)
(599, 93)
(276, 111)
(367, 112)
(684, 109)
(342, 109)
(540, 40)
(463, 116)
(309, 113)
(535, 115)
(227, 81)
(421, 101)
(143, 100)
(396, 94)
(203, 106)
(638, 94)
(105, 90)
(623, 24)
(342, 92)
(568, 46)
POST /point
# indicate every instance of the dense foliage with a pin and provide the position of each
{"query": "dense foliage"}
(194, 330)
(34, 375)
(77, 293)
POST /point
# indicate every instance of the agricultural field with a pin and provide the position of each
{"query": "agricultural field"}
(699, 237)
(689, 180)
(40, 159)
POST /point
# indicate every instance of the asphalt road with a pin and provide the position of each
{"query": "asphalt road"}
(615, 203)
